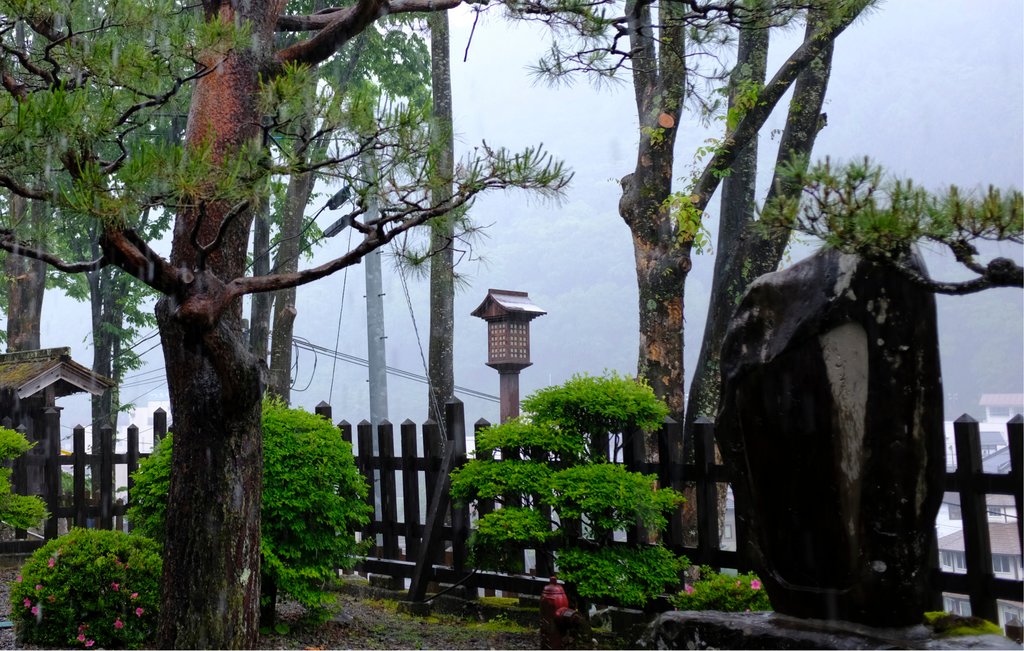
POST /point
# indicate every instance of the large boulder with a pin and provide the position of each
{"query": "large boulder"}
(832, 425)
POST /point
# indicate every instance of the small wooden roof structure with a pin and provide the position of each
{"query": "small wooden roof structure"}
(32, 372)
(505, 303)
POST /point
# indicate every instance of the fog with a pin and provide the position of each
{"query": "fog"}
(931, 90)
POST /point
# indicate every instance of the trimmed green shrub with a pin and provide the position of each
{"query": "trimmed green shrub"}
(563, 439)
(714, 591)
(313, 502)
(89, 588)
(20, 511)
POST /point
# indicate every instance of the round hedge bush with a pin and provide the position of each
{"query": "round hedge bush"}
(89, 588)
(314, 499)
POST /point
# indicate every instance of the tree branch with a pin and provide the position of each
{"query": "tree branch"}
(336, 27)
(9, 243)
(751, 123)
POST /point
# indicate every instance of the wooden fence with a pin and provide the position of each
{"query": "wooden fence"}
(90, 502)
(420, 537)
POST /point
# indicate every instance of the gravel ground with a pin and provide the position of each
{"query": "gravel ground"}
(360, 624)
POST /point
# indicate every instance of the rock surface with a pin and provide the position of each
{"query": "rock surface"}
(832, 419)
(718, 630)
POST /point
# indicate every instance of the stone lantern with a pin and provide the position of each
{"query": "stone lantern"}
(508, 315)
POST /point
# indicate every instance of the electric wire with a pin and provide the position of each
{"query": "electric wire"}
(337, 335)
(302, 342)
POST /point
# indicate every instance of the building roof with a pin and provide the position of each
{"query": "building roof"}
(500, 302)
(29, 372)
(1002, 400)
(1002, 534)
(997, 463)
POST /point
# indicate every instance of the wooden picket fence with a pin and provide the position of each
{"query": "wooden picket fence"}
(421, 538)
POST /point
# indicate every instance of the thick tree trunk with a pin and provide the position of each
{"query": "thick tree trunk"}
(744, 252)
(211, 588)
(662, 262)
(211, 578)
(26, 284)
(441, 369)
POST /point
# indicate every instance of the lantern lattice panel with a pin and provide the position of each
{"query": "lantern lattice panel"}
(508, 341)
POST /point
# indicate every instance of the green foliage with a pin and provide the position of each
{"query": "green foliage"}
(952, 625)
(714, 591)
(89, 588)
(857, 208)
(20, 511)
(567, 486)
(629, 575)
(313, 501)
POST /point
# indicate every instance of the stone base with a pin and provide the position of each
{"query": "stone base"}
(386, 582)
(718, 630)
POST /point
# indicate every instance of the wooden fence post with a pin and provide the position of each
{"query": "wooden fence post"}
(364, 459)
(106, 477)
(80, 499)
(133, 460)
(973, 508)
(670, 474)
(410, 490)
(455, 419)
(388, 489)
(1015, 434)
(159, 425)
(324, 411)
(52, 442)
(707, 490)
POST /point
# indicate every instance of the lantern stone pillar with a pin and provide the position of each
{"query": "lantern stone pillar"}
(508, 314)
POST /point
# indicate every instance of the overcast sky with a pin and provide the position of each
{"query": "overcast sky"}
(931, 89)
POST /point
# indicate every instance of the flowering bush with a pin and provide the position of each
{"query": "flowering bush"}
(89, 588)
(714, 591)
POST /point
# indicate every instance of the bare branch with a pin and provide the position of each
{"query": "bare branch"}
(9, 243)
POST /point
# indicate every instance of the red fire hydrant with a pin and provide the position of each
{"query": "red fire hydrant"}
(557, 620)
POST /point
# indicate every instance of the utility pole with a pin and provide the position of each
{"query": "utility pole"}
(376, 353)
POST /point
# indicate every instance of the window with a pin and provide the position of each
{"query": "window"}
(954, 512)
(952, 560)
(956, 605)
(998, 412)
(1001, 563)
(727, 531)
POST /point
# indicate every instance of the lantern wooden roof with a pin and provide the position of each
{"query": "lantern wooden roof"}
(28, 373)
(505, 303)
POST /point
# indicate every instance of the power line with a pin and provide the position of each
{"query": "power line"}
(301, 342)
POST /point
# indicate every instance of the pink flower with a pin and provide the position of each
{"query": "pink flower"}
(27, 602)
(18, 579)
(116, 586)
(39, 586)
(81, 637)
(135, 595)
(89, 643)
(755, 585)
(689, 589)
(35, 610)
(739, 584)
(139, 611)
(118, 624)
(50, 562)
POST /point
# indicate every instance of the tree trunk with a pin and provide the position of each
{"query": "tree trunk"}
(259, 316)
(744, 252)
(287, 261)
(211, 577)
(441, 373)
(26, 284)
(662, 262)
